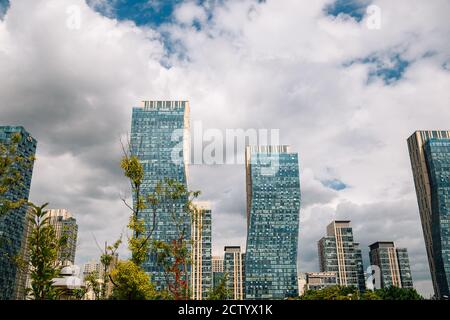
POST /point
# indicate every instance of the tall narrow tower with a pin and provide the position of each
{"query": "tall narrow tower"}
(201, 273)
(429, 152)
(13, 224)
(273, 205)
(160, 140)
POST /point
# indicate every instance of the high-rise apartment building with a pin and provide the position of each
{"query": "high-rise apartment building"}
(217, 270)
(12, 224)
(65, 225)
(201, 271)
(160, 140)
(393, 263)
(340, 254)
(273, 205)
(429, 152)
(359, 267)
(234, 267)
(91, 267)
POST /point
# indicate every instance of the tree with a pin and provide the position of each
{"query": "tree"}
(12, 165)
(352, 293)
(44, 247)
(131, 283)
(92, 282)
(396, 293)
(370, 295)
(332, 293)
(174, 256)
(108, 259)
(172, 196)
(220, 292)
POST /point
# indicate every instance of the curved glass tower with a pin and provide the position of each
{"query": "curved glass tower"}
(430, 160)
(12, 224)
(273, 205)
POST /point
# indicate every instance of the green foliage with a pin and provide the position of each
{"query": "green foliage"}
(220, 292)
(395, 293)
(107, 260)
(173, 257)
(131, 283)
(370, 295)
(92, 282)
(352, 293)
(44, 247)
(11, 177)
(332, 293)
(78, 294)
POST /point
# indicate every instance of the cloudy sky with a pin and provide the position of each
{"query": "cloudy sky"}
(345, 96)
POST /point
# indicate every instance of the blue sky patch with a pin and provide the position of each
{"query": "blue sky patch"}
(353, 8)
(334, 184)
(390, 68)
(4, 5)
(142, 12)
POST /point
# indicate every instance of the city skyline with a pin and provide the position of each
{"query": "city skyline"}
(344, 96)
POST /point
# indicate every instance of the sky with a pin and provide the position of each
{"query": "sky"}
(344, 92)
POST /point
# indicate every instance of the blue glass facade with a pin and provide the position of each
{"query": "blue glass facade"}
(273, 204)
(437, 154)
(12, 224)
(430, 158)
(159, 139)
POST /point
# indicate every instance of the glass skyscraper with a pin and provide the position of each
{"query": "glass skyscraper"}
(393, 263)
(160, 139)
(12, 225)
(429, 153)
(340, 254)
(201, 272)
(273, 205)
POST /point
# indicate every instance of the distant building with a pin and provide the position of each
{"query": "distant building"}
(217, 270)
(393, 263)
(201, 272)
(360, 267)
(339, 253)
(429, 152)
(234, 269)
(320, 280)
(273, 212)
(65, 225)
(13, 224)
(301, 283)
(93, 266)
(98, 268)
